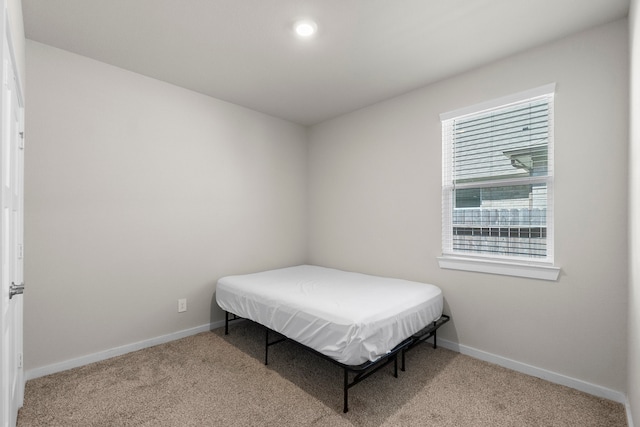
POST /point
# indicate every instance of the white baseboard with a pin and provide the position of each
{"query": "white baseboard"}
(534, 371)
(117, 351)
(629, 417)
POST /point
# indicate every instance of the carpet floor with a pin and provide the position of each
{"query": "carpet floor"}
(211, 379)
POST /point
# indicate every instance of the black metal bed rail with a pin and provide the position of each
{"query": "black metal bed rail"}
(369, 368)
(364, 370)
(227, 320)
(424, 334)
(361, 371)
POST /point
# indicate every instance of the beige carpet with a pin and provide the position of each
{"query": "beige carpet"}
(215, 380)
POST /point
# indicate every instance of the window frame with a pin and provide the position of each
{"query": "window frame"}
(543, 268)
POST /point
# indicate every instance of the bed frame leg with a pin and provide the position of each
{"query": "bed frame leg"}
(402, 368)
(395, 365)
(226, 322)
(346, 392)
(435, 338)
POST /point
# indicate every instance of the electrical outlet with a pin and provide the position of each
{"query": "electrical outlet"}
(182, 305)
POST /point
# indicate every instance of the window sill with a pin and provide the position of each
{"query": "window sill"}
(532, 271)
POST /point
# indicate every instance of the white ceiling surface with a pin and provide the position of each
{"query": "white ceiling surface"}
(245, 52)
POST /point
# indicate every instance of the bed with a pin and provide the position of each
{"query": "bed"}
(357, 321)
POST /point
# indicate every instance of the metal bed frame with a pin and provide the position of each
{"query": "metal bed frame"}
(354, 374)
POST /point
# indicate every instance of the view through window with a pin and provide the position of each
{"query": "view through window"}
(497, 181)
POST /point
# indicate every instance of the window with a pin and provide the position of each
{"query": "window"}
(497, 186)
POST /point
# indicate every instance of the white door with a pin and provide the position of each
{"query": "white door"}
(11, 244)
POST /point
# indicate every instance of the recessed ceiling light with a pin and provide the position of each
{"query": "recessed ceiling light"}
(305, 28)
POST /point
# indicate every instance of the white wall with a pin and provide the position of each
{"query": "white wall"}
(375, 190)
(139, 193)
(634, 217)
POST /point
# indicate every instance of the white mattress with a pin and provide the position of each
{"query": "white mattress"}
(350, 317)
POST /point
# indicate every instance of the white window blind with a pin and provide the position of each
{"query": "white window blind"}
(497, 187)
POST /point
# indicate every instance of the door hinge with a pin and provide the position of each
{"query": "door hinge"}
(20, 251)
(16, 289)
(19, 360)
(21, 144)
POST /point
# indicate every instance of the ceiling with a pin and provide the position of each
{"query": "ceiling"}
(365, 51)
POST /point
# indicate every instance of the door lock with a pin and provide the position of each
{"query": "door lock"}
(15, 289)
